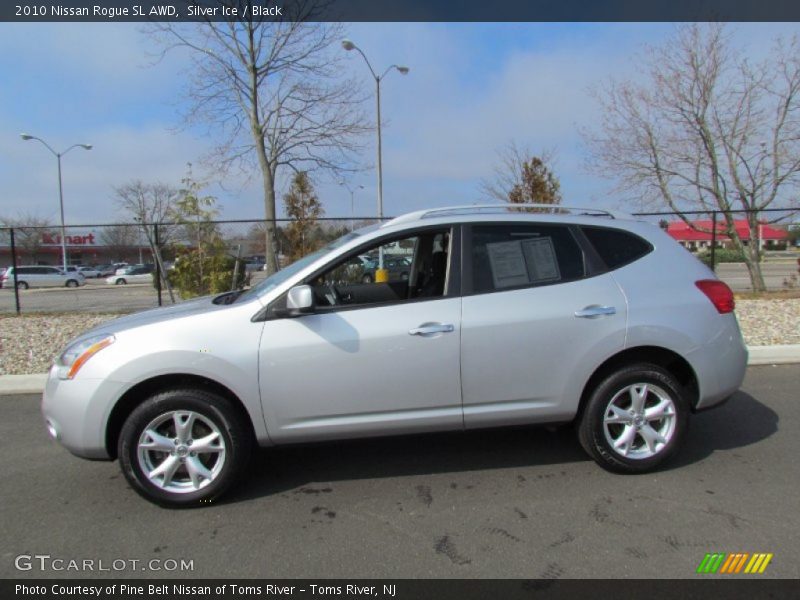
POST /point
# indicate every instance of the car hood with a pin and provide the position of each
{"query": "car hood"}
(196, 306)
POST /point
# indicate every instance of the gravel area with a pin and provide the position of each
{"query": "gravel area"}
(769, 322)
(29, 343)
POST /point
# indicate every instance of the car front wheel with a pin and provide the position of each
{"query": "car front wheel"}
(71, 283)
(634, 419)
(184, 447)
(120, 282)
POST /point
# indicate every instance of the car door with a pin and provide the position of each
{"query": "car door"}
(539, 315)
(49, 277)
(384, 359)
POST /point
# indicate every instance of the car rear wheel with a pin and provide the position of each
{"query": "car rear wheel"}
(184, 447)
(22, 285)
(635, 419)
(71, 283)
(120, 281)
(366, 279)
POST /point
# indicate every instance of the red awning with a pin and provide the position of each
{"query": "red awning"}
(684, 233)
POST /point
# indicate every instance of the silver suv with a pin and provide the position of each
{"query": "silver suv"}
(507, 317)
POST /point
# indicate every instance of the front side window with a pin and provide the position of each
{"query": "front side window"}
(398, 270)
(524, 255)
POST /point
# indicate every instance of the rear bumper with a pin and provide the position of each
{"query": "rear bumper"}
(720, 365)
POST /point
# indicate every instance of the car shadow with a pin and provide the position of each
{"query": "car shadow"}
(740, 422)
(285, 468)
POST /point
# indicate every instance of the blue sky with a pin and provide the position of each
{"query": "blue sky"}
(472, 89)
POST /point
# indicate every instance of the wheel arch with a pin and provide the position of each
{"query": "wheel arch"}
(137, 394)
(662, 357)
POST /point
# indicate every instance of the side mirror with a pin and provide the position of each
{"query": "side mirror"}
(300, 300)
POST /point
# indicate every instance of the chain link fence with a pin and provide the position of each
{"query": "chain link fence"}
(126, 267)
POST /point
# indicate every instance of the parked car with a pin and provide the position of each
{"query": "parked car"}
(398, 268)
(254, 265)
(41, 276)
(105, 270)
(506, 318)
(89, 272)
(135, 274)
(120, 267)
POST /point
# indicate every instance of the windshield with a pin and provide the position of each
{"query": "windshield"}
(278, 278)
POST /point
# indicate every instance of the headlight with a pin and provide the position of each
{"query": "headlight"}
(76, 355)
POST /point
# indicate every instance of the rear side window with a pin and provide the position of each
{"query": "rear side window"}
(514, 256)
(616, 247)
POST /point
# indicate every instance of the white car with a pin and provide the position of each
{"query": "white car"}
(137, 274)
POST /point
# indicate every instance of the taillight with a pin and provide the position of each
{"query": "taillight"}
(719, 293)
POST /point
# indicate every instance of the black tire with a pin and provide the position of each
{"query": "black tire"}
(71, 283)
(22, 285)
(366, 279)
(208, 408)
(594, 433)
(120, 281)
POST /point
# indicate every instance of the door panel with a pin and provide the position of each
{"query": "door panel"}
(359, 372)
(526, 355)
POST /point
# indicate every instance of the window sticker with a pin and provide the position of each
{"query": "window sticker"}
(508, 264)
(523, 262)
(540, 256)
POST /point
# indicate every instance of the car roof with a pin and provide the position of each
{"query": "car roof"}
(507, 212)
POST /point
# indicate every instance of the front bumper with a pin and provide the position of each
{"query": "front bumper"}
(76, 413)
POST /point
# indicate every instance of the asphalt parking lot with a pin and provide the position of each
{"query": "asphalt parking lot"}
(504, 503)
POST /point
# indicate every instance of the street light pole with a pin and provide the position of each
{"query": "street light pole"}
(348, 45)
(61, 206)
(352, 202)
(58, 156)
(380, 152)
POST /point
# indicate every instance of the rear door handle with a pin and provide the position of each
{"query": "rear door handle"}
(431, 328)
(593, 312)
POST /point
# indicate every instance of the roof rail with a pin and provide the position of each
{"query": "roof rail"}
(434, 212)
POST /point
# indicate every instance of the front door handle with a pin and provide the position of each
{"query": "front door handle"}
(431, 328)
(594, 311)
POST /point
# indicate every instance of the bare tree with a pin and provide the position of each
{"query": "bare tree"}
(273, 91)
(152, 203)
(30, 233)
(708, 130)
(120, 240)
(523, 178)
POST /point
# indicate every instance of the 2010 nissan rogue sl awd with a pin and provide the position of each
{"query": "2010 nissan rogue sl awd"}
(507, 317)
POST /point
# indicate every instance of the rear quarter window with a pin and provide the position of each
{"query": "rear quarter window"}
(616, 247)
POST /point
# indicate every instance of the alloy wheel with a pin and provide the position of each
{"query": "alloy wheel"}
(639, 421)
(181, 451)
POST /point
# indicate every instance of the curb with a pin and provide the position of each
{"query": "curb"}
(758, 355)
(772, 355)
(22, 384)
